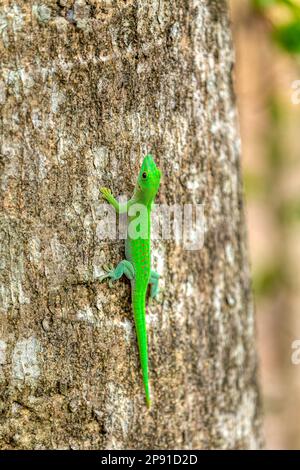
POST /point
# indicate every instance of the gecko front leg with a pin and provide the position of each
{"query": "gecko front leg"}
(119, 208)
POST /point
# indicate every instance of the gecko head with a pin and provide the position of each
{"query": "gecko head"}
(149, 178)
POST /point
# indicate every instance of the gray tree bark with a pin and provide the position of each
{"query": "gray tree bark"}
(87, 88)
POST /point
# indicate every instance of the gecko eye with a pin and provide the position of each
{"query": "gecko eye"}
(144, 175)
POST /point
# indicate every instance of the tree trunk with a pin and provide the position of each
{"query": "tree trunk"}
(87, 89)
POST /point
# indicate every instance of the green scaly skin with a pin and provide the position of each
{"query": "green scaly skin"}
(137, 265)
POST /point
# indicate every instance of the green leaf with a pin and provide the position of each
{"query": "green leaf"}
(289, 212)
(268, 280)
(261, 4)
(288, 36)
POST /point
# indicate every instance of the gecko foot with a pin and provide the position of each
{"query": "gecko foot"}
(109, 273)
(124, 267)
(107, 194)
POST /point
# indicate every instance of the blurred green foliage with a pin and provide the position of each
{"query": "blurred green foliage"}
(289, 212)
(260, 4)
(282, 24)
(288, 36)
(268, 280)
(254, 184)
(275, 152)
(287, 33)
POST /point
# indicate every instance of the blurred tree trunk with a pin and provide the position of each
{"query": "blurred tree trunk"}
(87, 88)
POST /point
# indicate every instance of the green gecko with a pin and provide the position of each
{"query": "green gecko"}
(137, 265)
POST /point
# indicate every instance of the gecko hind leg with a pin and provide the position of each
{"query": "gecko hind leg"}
(124, 267)
(154, 278)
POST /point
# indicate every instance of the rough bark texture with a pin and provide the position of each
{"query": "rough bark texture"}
(87, 88)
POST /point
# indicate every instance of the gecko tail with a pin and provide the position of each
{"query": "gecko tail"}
(148, 402)
(141, 332)
(147, 391)
(145, 374)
